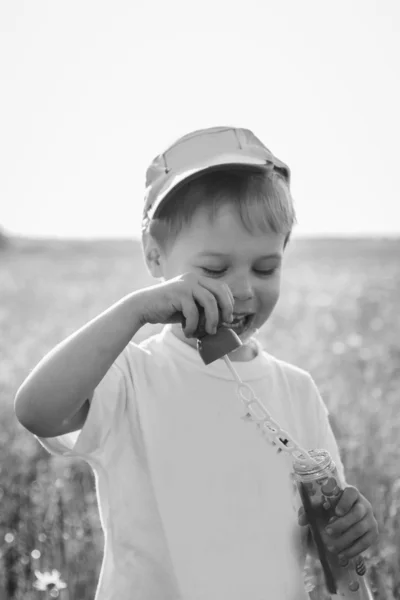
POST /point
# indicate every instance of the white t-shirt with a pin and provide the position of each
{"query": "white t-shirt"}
(194, 503)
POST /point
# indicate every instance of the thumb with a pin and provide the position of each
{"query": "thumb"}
(302, 517)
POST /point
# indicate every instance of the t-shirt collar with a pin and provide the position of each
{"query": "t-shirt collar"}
(255, 368)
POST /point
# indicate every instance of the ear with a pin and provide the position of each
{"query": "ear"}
(152, 256)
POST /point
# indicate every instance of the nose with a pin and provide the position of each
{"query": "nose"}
(241, 289)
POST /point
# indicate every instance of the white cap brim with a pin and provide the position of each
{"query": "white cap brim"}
(179, 177)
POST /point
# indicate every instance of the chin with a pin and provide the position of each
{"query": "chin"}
(247, 336)
(249, 333)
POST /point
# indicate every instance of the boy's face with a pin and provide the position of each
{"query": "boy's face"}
(250, 264)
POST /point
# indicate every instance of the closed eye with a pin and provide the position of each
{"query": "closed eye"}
(260, 272)
(213, 272)
(265, 273)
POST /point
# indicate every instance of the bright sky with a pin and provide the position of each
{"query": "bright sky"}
(92, 90)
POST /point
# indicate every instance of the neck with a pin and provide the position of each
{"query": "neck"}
(244, 353)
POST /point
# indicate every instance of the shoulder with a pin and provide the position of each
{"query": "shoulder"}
(132, 353)
(299, 401)
(130, 362)
(140, 358)
(296, 388)
(291, 374)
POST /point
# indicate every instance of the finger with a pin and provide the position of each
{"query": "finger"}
(348, 498)
(209, 302)
(347, 539)
(230, 296)
(223, 294)
(191, 314)
(342, 524)
(302, 520)
(301, 511)
(358, 547)
(302, 517)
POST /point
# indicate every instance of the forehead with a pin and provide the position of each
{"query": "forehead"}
(225, 233)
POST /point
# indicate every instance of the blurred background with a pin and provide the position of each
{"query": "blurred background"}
(90, 93)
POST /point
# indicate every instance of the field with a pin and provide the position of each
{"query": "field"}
(338, 318)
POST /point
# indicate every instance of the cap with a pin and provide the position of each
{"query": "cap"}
(205, 150)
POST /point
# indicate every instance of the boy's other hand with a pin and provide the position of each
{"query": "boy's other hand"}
(355, 528)
(178, 300)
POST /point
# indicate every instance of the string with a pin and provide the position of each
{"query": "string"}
(268, 427)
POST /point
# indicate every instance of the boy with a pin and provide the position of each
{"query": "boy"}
(194, 504)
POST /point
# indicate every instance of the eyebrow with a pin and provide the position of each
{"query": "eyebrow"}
(223, 255)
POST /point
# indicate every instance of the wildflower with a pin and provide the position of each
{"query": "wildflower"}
(49, 582)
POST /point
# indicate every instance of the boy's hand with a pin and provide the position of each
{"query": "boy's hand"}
(354, 531)
(179, 299)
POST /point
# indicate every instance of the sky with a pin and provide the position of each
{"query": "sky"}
(91, 91)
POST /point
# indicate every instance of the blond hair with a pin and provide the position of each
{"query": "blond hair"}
(262, 200)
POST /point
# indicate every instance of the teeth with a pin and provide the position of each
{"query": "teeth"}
(235, 321)
(238, 325)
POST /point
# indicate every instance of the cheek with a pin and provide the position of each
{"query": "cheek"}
(172, 268)
(270, 294)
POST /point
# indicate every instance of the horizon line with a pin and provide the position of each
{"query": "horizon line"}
(136, 238)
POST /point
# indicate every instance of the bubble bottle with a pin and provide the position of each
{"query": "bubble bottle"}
(320, 490)
(314, 472)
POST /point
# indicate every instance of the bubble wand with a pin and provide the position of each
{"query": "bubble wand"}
(314, 470)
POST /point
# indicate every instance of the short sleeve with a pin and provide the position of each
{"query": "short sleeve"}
(325, 437)
(107, 406)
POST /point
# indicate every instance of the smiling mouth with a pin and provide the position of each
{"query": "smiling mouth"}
(240, 324)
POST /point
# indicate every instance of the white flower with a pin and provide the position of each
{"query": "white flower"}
(49, 581)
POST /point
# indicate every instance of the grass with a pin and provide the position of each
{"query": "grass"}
(337, 318)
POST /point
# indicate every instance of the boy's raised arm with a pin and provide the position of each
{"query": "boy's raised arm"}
(53, 398)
